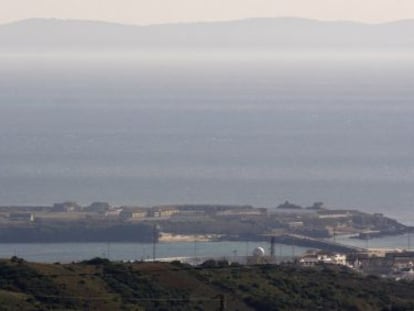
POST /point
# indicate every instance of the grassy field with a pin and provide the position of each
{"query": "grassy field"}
(102, 285)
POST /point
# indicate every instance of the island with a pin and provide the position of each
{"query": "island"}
(102, 222)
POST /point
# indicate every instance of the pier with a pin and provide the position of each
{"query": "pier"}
(325, 245)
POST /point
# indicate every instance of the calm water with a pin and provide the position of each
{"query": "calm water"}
(68, 252)
(149, 130)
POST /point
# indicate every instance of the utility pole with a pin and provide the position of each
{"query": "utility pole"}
(154, 241)
(223, 304)
(272, 246)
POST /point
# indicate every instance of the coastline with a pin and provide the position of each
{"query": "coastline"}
(173, 238)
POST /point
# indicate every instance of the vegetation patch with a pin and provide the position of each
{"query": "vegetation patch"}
(99, 284)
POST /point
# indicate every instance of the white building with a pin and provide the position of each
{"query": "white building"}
(312, 259)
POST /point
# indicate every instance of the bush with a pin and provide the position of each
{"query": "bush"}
(96, 261)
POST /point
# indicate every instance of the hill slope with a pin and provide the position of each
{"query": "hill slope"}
(102, 285)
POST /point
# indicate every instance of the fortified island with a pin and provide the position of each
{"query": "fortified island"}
(314, 227)
(101, 222)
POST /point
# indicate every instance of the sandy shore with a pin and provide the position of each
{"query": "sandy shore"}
(170, 238)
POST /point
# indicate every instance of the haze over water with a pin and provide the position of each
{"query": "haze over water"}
(209, 128)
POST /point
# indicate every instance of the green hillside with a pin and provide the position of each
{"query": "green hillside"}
(102, 285)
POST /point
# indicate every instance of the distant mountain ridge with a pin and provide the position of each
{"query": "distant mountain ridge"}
(249, 33)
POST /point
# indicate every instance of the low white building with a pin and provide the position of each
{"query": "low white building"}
(312, 259)
(309, 260)
(340, 259)
(115, 212)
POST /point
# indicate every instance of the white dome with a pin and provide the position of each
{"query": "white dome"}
(259, 252)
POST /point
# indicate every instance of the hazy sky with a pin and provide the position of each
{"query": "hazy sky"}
(164, 11)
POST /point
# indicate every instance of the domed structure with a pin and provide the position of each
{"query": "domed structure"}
(259, 252)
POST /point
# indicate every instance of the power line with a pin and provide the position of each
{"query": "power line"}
(128, 299)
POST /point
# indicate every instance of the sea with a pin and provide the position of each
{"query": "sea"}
(153, 127)
(75, 252)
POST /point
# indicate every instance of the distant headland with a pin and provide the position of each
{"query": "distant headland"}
(257, 33)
